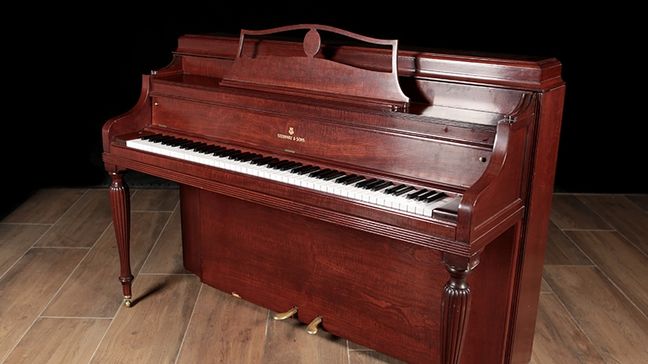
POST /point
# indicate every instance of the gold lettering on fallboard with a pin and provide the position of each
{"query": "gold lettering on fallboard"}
(291, 136)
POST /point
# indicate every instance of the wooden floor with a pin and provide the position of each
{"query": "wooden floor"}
(60, 303)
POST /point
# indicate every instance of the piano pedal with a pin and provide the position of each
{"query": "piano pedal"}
(128, 302)
(312, 328)
(285, 315)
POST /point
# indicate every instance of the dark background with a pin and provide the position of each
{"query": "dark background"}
(70, 69)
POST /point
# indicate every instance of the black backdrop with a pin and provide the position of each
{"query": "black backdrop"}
(70, 69)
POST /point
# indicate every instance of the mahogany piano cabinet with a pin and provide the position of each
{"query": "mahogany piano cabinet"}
(398, 199)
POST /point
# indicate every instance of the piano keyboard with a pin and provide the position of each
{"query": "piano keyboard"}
(378, 192)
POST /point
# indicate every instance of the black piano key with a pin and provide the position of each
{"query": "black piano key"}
(333, 175)
(394, 189)
(274, 162)
(281, 164)
(402, 191)
(202, 148)
(326, 174)
(308, 169)
(188, 145)
(380, 186)
(423, 196)
(300, 168)
(289, 166)
(251, 156)
(233, 153)
(365, 182)
(372, 184)
(319, 173)
(148, 137)
(261, 161)
(345, 178)
(417, 193)
(353, 180)
(435, 197)
(237, 157)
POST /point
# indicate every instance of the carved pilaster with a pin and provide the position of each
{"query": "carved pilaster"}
(120, 202)
(455, 307)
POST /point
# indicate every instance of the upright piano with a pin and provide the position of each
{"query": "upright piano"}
(395, 198)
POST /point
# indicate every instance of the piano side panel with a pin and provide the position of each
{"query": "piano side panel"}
(534, 238)
(372, 290)
(402, 155)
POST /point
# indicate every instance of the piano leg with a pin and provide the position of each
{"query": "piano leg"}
(455, 307)
(120, 202)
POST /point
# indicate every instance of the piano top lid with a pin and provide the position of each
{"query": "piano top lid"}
(523, 73)
(312, 75)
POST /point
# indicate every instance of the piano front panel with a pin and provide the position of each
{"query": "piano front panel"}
(372, 290)
(416, 158)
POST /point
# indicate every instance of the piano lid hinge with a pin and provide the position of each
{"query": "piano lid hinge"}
(511, 119)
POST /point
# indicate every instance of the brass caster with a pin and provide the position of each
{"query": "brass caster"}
(127, 301)
(313, 326)
(285, 315)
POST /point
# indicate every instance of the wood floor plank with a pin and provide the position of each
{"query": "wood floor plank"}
(45, 206)
(28, 286)
(640, 200)
(622, 262)
(59, 341)
(626, 217)
(558, 340)
(152, 330)
(561, 251)
(155, 200)
(15, 240)
(82, 225)
(568, 212)
(371, 357)
(615, 326)
(94, 290)
(288, 342)
(224, 330)
(166, 256)
(544, 287)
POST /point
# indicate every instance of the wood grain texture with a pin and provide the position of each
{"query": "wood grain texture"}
(151, 331)
(371, 357)
(640, 200)
(623, 263)
(97, 274)
(15, 240)
(154, 200)
(166, 256)
(28, 287)
(561, 251)
(59, 341)
(224, 329)
(569, 212)
(558, 339)
(45, 206)
(288, 342)
(623, 215)
(615, 326)
(82, 225)
(544, 287)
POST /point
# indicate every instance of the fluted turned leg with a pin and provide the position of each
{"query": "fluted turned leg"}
(455, 308)
(120, 202)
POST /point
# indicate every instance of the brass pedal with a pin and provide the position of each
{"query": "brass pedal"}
(285, 315)
(312, 328)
